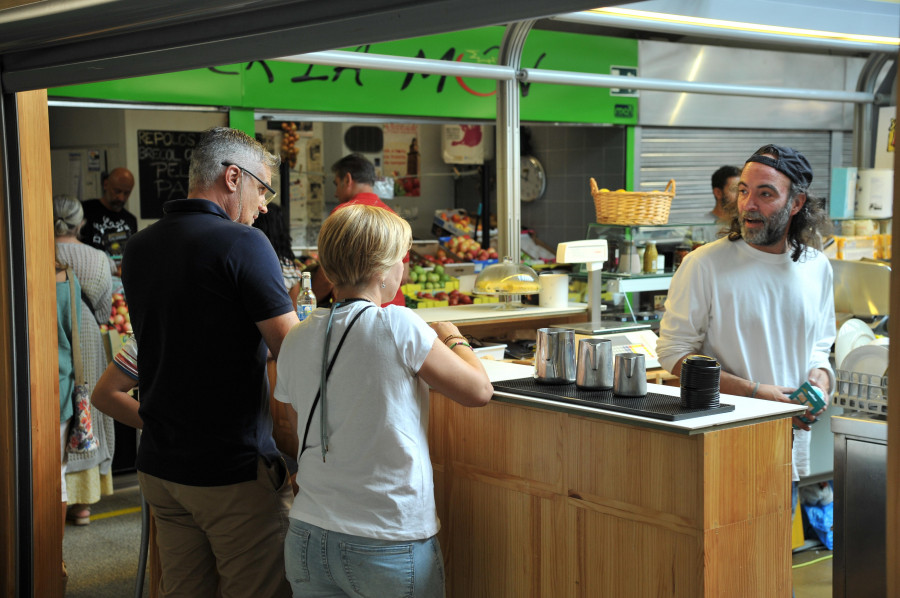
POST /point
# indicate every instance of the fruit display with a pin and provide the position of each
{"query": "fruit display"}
(435, 278)
(444, 298)
(289, 139)
(119, 319)
(470, 249)
(454, 297)
(406, 185)
(460, 220)
(440, 257)
(456, 222)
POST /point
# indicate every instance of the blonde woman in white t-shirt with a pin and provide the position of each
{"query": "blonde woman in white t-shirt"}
(364, 521)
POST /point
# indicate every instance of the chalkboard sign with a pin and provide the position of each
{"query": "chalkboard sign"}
(164, 159)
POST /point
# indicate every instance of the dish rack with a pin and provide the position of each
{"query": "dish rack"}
(861, 392)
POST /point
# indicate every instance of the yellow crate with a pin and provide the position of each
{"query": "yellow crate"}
(855, 247)
(883, 247)
(413, 288)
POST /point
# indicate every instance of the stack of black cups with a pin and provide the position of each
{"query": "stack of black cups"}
(700, 382)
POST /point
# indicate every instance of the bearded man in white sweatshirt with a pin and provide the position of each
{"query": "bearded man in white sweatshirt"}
(761, 299)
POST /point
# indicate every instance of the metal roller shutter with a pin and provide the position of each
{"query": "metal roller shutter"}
(690, 156)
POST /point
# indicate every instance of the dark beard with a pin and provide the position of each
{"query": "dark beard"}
(773, 229)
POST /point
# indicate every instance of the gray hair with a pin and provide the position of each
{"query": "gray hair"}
(223, 144)
(68, 215)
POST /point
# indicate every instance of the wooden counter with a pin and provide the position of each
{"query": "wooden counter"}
(550, 500)
(485, 320)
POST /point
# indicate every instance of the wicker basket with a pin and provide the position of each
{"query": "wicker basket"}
(631, 207)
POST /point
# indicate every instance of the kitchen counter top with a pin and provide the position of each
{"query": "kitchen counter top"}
(489, 311)
(746, 410)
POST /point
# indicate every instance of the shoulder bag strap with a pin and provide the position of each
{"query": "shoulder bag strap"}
(76, 344)
(328, 373)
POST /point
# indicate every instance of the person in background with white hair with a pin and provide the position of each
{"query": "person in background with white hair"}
(89, 475)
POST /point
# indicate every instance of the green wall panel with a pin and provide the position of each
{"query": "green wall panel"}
(273, 85)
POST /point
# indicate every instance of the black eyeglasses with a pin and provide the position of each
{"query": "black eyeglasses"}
(268, 198)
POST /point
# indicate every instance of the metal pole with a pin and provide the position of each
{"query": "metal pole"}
(864, 114)
(598, 80)
(509, 164)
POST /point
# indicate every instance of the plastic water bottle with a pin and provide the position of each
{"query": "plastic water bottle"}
(306, 301)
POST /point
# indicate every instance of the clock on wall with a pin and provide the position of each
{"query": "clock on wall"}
(534, 181)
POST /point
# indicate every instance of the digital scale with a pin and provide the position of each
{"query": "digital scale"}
(625, 336)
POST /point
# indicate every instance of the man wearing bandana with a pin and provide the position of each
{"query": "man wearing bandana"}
(761, 299)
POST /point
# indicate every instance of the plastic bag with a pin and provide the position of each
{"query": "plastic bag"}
(821, 518)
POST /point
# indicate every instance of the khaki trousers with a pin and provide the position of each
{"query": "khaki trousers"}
(225, 538)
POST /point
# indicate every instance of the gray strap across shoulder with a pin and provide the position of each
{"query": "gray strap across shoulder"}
(330, 365)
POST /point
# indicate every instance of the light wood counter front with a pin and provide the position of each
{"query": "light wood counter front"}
(558, 502)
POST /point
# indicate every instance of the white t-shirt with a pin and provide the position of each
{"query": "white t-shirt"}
(762, 316)
(376, 481)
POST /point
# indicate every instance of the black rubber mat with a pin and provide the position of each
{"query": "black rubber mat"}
(652, 405)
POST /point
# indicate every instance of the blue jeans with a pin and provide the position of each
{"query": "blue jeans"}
(326, 564)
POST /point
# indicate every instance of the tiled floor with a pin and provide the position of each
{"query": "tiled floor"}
(812, 573)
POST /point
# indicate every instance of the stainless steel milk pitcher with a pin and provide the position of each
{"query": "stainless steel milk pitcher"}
(630, 375)
(594, 370)
(554, 356)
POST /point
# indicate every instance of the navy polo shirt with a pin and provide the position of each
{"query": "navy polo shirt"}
(196, 283)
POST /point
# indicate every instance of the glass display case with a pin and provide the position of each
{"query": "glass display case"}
(509, 281)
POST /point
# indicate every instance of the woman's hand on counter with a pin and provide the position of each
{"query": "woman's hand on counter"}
(446, 330)
(453, 369)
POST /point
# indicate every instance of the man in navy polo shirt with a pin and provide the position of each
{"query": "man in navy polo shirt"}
(207, 299)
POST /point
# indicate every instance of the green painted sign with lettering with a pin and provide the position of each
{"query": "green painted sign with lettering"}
(279, 85)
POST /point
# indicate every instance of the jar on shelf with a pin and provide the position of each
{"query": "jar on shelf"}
(680, 252)
(626, 257)
(650, 255)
